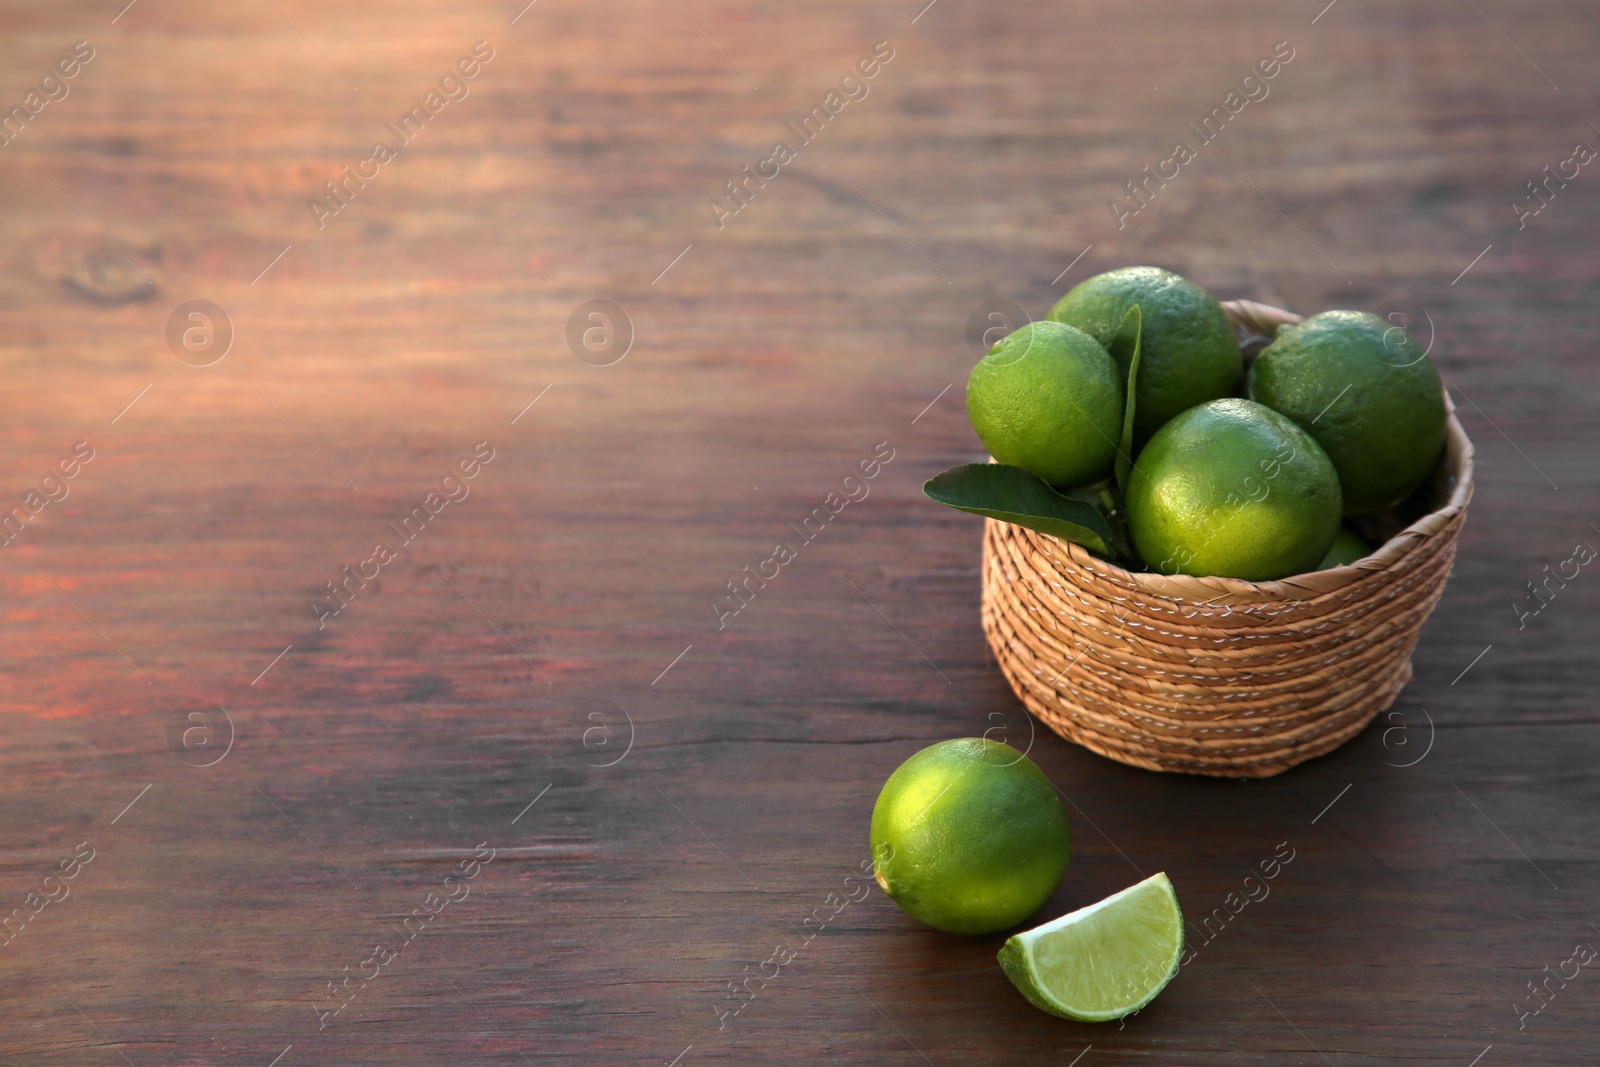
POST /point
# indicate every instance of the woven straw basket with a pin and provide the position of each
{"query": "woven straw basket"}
(1218, 676)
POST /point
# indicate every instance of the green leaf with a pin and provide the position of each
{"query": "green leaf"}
(1013, 495)
(1124, 349)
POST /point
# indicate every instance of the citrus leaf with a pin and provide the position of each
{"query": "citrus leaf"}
(1011, 494)
(1125, 351)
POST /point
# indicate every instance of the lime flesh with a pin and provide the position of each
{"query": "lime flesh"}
(1103, 961)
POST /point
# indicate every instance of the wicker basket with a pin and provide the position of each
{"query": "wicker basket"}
(1217, 676)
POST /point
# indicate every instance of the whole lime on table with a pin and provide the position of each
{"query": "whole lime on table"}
(1369, 395)
(1348, 547)
(1233, 489)
(969, 836)
(1188, 352)
(1048, 398)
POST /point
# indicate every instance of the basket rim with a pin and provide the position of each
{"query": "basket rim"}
(1459, 454)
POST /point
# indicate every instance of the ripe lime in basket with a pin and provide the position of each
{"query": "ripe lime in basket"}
(1234, 489)
(1047, 398)
(1369, 395)
(1348, 547)
(969, 836)
(1104, 961)
(1188, 352)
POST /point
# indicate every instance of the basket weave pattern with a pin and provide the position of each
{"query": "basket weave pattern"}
(1215, 676)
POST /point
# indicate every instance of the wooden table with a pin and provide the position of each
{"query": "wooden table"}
(266, 791)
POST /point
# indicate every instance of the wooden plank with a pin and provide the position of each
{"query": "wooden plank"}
(541, 669)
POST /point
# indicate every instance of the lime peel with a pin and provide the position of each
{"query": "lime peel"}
(1104, 961)
(970, 837)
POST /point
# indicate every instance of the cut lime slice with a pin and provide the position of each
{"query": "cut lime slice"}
(1103, 961)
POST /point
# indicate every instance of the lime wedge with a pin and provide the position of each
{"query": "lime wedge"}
(1103, 961)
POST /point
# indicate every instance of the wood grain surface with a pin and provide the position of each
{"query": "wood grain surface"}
(540, 674)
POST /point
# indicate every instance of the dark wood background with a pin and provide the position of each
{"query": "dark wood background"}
(501, 659)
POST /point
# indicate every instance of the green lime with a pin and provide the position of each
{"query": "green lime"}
(1047, 398)
(1104, 961)
(1367, 393)
(969, 837)
(1348, 547)
(1188, 352)
(1234, 489)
